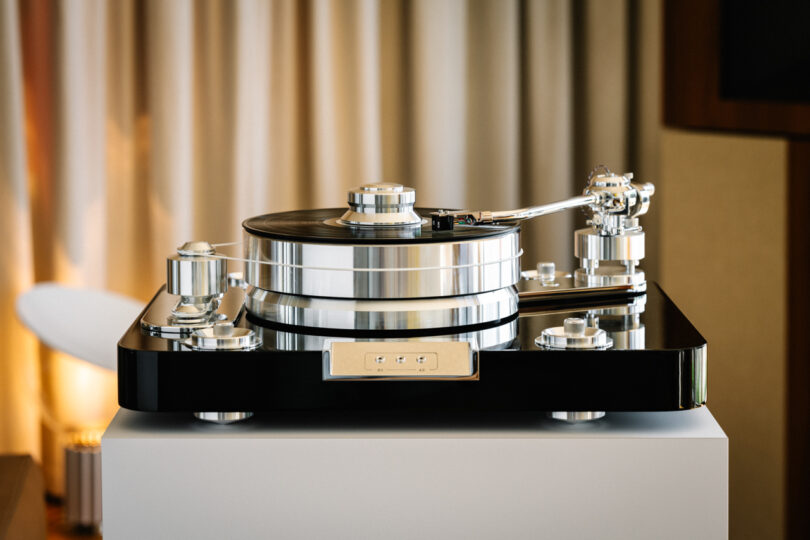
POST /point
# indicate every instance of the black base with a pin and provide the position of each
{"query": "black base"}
(668, 373)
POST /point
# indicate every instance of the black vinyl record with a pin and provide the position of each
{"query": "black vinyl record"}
(320, 226)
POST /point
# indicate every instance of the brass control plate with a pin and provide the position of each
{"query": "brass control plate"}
(399, 360)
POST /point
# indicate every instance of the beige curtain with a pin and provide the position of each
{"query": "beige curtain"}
(19, 373)
(128, 127)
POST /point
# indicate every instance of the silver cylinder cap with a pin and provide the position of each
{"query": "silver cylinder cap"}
(223, 336)
(381, 204)
(573, 334)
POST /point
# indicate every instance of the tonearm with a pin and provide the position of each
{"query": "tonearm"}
(614, 237)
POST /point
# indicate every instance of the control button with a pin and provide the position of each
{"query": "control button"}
(380, 359)
(574, 326)
(546, 271)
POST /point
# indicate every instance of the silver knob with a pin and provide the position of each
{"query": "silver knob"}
(574, 326)
(223, 329)
(546, 271)
(381, 205)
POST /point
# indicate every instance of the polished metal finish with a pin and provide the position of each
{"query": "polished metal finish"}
(574, 326)
(199, 279)
(546, 275)
(623, 251)
(419, 286)
(532, 289)
(612, 200)
(495, 337)
(574, 334)
(460, 268)
(613, 203)
(383, 271)
(381, 205)
(575, 417)
(621, 200)
(196, 248)
(590, 244)
(160, 318)
(407, 314)
(193, 272)
(488, 217)
(223, 336)
(608, 276)
(699, 377)
(614, 234)
(223, 417)
(546, 271)
(237, 279)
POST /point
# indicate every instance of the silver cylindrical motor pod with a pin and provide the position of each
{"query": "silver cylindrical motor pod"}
(194, 273)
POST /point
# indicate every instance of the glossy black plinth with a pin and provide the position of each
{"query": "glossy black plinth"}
(658, 363)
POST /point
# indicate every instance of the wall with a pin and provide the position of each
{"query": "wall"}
(722, 203)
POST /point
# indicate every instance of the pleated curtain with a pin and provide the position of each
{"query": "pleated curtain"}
(129, 127)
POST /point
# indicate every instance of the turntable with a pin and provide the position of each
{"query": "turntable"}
(388, 306)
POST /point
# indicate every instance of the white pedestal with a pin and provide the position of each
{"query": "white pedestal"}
(630, 475)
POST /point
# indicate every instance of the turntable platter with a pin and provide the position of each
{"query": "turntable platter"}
(322, 226)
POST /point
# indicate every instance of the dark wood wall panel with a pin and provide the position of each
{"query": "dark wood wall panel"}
(692, 95)
(693, 99)
(798, 346)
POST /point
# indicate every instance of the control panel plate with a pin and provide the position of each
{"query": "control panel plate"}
(386, 360)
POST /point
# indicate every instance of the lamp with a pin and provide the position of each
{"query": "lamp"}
(85, 324)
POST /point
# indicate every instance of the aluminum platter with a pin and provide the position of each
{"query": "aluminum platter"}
(310, 253)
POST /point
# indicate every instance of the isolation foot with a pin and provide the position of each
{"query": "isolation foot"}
(223, 417)
(574, 417)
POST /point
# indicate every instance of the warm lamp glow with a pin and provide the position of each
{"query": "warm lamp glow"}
(77, 396)
(78, 401)
(88, 438)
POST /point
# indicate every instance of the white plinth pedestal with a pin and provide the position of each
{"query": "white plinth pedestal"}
(629, 475)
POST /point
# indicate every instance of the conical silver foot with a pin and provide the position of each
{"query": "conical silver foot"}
(574, 417)
(223, 417)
